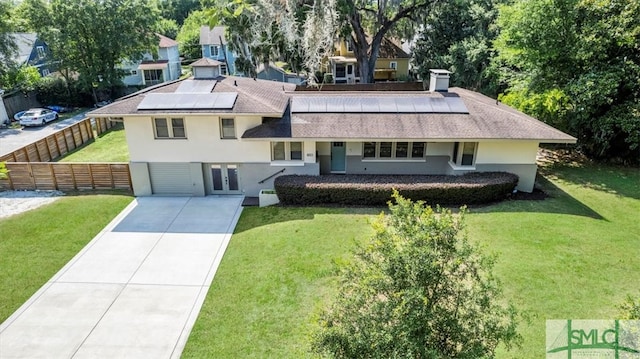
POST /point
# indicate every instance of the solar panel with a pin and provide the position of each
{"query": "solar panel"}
(377, 104)
(196, 86)
(456, 105)
(191, 101)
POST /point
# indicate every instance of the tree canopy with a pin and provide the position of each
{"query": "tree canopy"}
(92, 37)
(7, 44)
(417, 289)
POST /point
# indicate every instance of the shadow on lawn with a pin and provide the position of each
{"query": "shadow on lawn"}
(556, 201)
(617, 180)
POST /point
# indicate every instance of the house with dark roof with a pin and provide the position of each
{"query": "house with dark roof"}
(234, 135)
(392, 63)
(32, 51)
(152, 70)
(214, 46)
(279, 71)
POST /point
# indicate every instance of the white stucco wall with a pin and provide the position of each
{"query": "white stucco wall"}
(203, 143)
(439, 148)
(511, 152)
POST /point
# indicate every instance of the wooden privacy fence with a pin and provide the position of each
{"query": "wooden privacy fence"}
(59, 143)
(66, 176)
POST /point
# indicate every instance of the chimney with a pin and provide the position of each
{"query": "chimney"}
(439, 80)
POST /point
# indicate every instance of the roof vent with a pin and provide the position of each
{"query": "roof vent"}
(439, 80)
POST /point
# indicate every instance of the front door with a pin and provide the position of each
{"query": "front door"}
(338, 152)
(225, 179)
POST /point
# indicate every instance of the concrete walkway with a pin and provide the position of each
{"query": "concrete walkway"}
(135, 290)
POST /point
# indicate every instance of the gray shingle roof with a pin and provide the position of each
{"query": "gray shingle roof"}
(209, 36)
(254, 96)
(486, 120)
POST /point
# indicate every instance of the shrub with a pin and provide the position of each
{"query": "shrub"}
(471, 188)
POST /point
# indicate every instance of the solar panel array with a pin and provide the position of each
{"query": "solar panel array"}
(196, 86)
(189, 101)
(377, 104)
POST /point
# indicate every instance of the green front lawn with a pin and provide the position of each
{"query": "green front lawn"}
(110, 147)
(574, 255)
(34, 245)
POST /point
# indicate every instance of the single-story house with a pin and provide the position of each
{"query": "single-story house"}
(278, 72)
(234, 135)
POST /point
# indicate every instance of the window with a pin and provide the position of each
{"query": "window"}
(163, 130)
(134, 72)
(402, 149)
(417, 150)
(464, 153)
(45, 72)
(227, 128)
(223, 69)
(394, 150)
(385, 150)
(349, 47)
(215, 51)
(393, 65)
(286, 151)
(40, 50)
(153, 77)
(369, 150)
(341, 70)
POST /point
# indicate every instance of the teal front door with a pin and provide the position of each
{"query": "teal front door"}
(338, 152)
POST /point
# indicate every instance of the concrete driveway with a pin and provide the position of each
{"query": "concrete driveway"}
(135, 290)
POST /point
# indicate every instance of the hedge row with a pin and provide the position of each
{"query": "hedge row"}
(471, 188)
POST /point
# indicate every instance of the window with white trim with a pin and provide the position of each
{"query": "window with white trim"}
(223, 69)
(134, 72)
(227, 128)
(286, 151)
(393, 150)
(41, 52)
(349, 47)
(169, 128)
(464, 153)
(215, 51)
(46, 72)
(393, 65)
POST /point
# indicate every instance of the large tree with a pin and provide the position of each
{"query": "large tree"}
(92, 37)
(365, 23)
(417, 289)
(459, 38)
(7, 44)
(576, 65)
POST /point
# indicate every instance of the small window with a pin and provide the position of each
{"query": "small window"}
(393, 65)
(349, 47)
(228, 128)
(163, 130)
(296, 151)
(464, 153)
(402, 149)
(385, 149)
(215, 51)
(417, 150)
(41, 53)
(177, 125)
(278, 151)
(223, 69)
(134, 72)
(45, 72)
(369, 150)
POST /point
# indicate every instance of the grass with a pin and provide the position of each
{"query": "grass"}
(110, 147)
(575, 255)
(37, 243)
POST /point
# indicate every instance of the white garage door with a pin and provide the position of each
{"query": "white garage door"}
(171, 179)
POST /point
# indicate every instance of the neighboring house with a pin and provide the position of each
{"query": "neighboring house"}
(233, 135)
(214, 46)
(392, 63)
(31, 51)
(150, 71)
(278, 72)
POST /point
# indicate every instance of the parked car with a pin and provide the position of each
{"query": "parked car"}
(38, 116)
